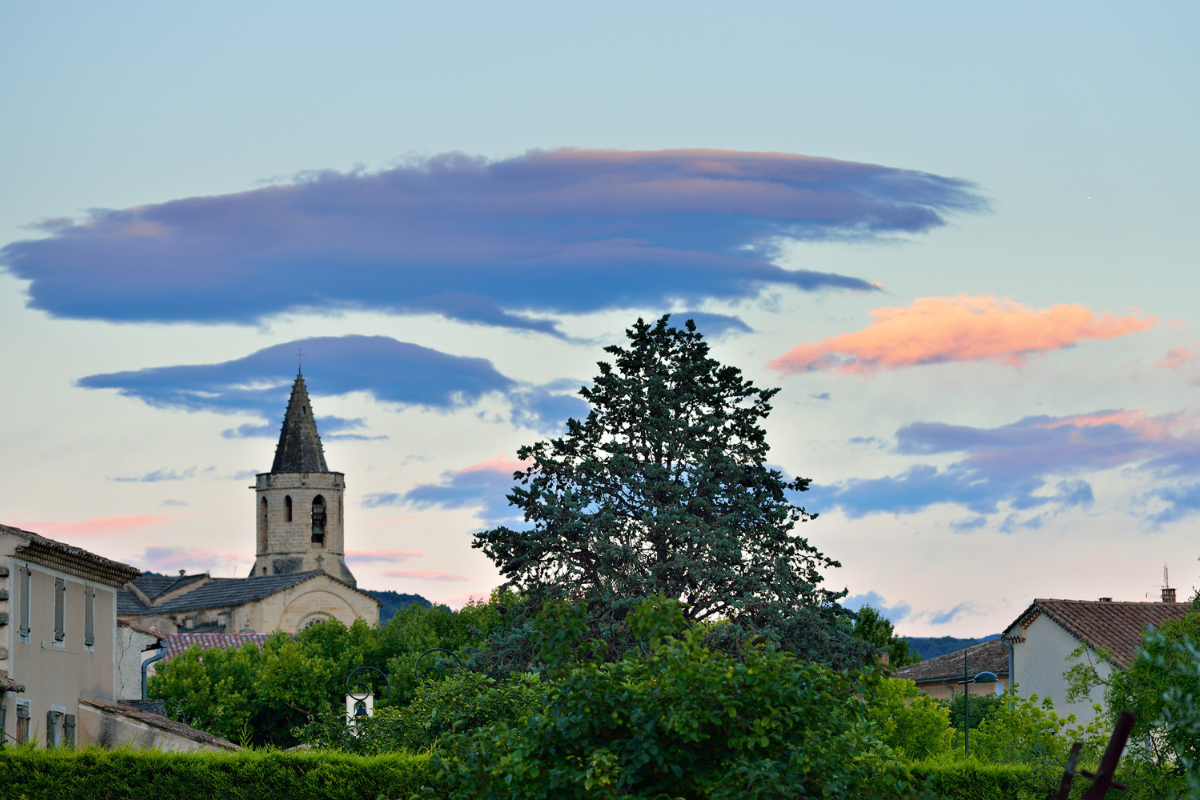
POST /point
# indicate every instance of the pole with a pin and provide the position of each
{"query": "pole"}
(966, 710)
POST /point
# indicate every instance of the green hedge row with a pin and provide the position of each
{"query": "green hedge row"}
(974, 780)
(127, 774)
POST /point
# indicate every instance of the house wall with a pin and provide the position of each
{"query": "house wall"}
(1041, 660)
(55, 674)
(944, 689)
(131, 652)
(112, 730)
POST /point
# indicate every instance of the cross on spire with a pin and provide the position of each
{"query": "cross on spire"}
(300, 361)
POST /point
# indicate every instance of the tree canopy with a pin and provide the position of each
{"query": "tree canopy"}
(665, 487)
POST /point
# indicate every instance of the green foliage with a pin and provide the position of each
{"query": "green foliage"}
(1033, 733)
(128, 774)
(913, 725)
(978, 708)
(680, 721)
(876, 630)
(962, 779)
(463, 702)
(664, 488)
(928, 647)
(1157, 688)
(269, 692)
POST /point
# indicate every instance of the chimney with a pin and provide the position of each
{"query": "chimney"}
(1168, 595)
(884, 658)
(1105, 599)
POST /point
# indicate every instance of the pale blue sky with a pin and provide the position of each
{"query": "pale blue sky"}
(1076, 122)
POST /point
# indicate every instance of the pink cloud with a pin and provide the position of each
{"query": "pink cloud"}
(1176, 358)
(169, 559)
(386, 556)
(502, 463)
(400, 521)
(99, 526)
(422, 575)
(460, 600)
(936, 330)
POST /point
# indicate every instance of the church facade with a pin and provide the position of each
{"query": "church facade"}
(299, 576)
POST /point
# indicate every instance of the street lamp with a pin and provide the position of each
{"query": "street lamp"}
(983, 677)
(360, 702)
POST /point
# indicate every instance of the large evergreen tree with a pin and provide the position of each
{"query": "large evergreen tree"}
(665, 488)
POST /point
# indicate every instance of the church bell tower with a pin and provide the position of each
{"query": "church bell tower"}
(299, 502)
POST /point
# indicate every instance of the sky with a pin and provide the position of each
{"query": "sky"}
(960, 239)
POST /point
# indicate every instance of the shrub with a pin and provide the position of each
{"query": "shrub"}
(680, 721)
(461, 703)
(968, 779)
(128, 774)
(913, 725)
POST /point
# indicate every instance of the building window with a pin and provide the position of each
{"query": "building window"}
(23, 600)
(54, 720)
(60, 609)
(264, 525)
(89, 616)
(22, 723)
(287, 508)
(318, 520)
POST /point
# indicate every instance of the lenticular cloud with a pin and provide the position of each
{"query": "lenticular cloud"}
(936, 330)
(504, 242)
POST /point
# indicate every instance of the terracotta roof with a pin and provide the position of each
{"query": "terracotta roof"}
(983, 657)
(155, 721)
(179, 642)
(1115, 627)
(7, 684)
(70, 558)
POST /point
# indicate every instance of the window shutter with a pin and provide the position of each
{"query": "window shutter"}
(3, 724)
(22, 723)
(24, 600)
(60, 609)
(89, 616)
(69, 730)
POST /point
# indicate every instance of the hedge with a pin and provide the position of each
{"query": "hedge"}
(975, 780)
(128, 774)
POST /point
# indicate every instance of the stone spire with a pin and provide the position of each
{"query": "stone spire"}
(299, 448)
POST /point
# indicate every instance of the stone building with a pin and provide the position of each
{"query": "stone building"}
(299, 576)
(68, 671)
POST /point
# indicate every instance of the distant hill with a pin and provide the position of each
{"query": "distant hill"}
(931, 647)
(391, 602)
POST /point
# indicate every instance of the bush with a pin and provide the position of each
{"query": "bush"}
(260, 696)
(968, 779)
(680, 721)
(127, 774)
(912, 725)
(463, 702)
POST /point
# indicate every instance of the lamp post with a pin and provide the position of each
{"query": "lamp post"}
(983, 677)
(360, 703)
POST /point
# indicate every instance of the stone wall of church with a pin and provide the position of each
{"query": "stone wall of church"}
(320, 598)
(286, 541)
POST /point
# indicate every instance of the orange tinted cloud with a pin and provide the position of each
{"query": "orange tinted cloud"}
(935, 330)
(1176, 358)
(100, 525)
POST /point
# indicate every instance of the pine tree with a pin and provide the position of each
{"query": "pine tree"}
(665, 488)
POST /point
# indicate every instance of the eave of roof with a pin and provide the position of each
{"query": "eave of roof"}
(71, 559)
(1116, 627)
(229, 592)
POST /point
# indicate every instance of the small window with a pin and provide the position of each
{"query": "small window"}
(264, 525)
(24, 601)
(22, 723)
(89, 616)
(60, 609)
(287, 508)
(318, 520)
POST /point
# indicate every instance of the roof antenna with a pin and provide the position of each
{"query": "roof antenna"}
(1166, 583)
(300, 362)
